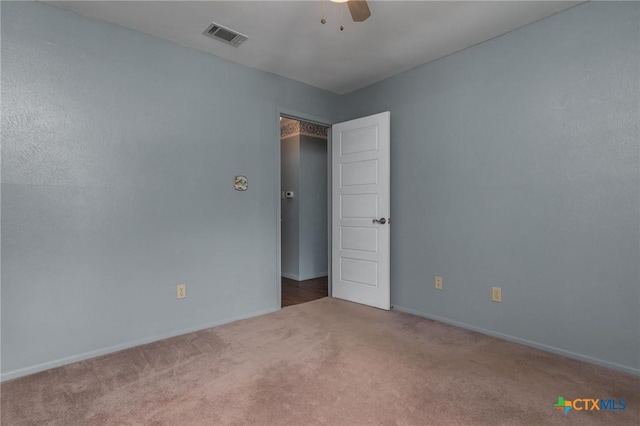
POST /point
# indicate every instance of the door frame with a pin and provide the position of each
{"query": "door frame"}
(310, 118)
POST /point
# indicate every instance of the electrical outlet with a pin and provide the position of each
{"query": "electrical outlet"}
(496, 294)
(439, 283)
(181, 291)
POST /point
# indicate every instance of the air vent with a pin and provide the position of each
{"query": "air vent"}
(225, 35)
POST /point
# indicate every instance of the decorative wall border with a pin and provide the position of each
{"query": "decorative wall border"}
(289, 127)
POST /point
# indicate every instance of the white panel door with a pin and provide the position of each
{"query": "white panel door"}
(361, 210)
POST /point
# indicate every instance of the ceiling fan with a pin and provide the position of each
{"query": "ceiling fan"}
(359, 9)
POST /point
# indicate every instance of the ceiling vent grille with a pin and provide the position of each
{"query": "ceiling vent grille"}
(225, 35)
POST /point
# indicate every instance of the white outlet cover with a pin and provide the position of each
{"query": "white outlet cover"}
(181, 291)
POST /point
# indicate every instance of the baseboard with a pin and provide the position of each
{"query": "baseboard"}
(313, 276)
(104, 351)
(521, 341)
(304, 277)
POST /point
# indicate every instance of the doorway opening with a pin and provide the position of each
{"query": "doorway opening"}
(304, 210)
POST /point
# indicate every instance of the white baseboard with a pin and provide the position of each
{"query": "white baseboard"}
(313, 276)
(104, 351)
(521, 341)
(305, 277)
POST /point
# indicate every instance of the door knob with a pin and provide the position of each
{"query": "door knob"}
(381, 221)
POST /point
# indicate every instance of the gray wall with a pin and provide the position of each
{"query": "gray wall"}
(515, 164)
(118, 156)
(304, 217)
(313, 207)
(290, 207)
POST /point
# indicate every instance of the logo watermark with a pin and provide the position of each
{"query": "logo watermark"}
(589, 404)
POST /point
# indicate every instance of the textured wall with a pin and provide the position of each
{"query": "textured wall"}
(515, 163)
(118, 157)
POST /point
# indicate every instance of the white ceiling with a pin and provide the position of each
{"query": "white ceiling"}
(287, 38)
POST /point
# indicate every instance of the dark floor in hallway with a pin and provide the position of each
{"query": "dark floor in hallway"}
(295, 292)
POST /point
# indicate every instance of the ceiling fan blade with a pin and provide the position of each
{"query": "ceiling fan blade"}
(359, 10)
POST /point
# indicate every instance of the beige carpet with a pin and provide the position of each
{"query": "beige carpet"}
(323, 362)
